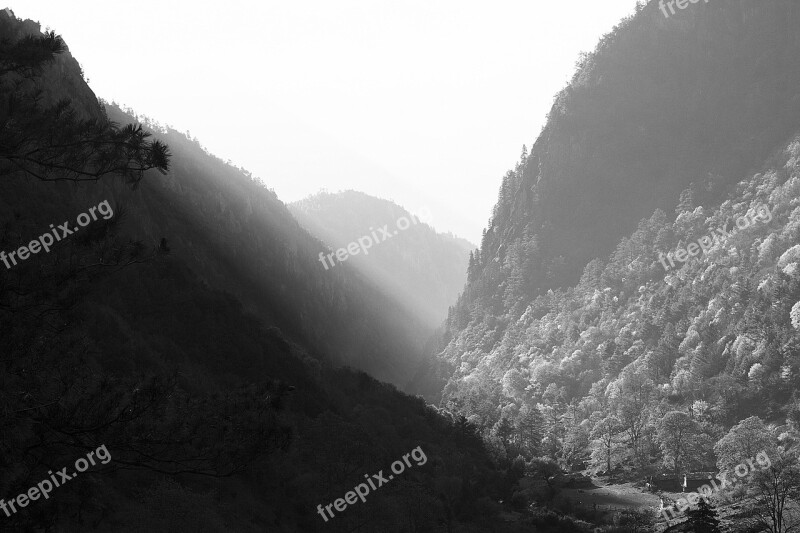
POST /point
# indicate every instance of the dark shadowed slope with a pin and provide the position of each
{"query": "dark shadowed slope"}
(238, 236)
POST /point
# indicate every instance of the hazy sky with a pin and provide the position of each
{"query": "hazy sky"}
(424, 102)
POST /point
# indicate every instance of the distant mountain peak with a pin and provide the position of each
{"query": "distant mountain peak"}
(419, 267)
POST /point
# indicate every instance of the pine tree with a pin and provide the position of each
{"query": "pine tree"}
(686, 202)
(530, 429)
(471, 267)
(504, 430)
(704, 518)
(57, 141)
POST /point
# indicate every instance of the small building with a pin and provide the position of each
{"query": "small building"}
(685, 483)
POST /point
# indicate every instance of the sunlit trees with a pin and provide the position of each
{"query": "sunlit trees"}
(576, 443)
(606, 442)
(553, 410)
(530, 429)
(504, 431)
(630, 401)
(675, 433)
(744, 441)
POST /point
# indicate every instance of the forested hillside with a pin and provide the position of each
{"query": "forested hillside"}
(672, 130)
(716, 336)
(238, 236)
(420, 268)
(704, 98)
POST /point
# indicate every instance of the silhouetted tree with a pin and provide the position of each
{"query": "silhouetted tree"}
(704, 518)
(55, 142)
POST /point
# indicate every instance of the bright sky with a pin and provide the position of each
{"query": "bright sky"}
(424, 102)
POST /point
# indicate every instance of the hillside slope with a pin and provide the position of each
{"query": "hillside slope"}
(576, 338)
(701, 97)
(418, 267)
(238, 236)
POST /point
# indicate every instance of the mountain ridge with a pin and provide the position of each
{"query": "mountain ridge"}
(570, 340)
(419, 267)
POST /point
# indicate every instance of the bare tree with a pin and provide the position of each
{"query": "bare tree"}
(775, 488)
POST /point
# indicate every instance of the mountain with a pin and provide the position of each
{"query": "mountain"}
(423, 270)
(171, 347)
(702, 97)
(635, 302)
(241, 238)
(632, 313)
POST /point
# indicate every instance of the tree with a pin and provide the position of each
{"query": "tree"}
(776, 486)
(704, 518)
(545, 470)
(466, 432)
(553, 410)
(504, 430)
(630, 403)
(687, 201)
(576, 443)
(471, 268)
(675, 434)
(530, 429)
(745, 440)
(58, 142)
(605, 435)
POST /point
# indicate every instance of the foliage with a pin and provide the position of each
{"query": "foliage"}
(745, 440)
(704, 518)
(52, 142)
(568, 306)
(683, 361)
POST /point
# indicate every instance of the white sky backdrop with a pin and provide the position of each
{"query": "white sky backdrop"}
(424, 102)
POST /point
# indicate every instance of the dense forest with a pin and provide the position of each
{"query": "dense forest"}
(671, 131)
(715, 339)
